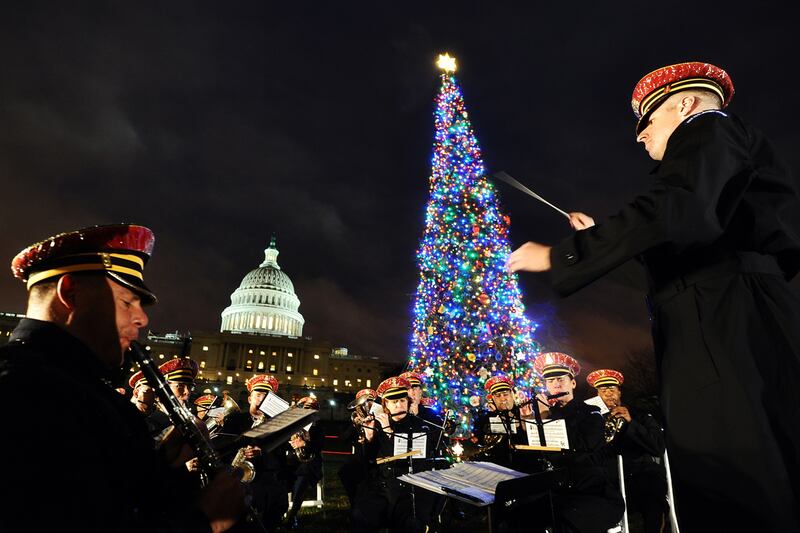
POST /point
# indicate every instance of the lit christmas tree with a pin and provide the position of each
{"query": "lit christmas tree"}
(468, 314)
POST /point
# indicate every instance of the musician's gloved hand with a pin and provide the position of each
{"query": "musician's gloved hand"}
(222, 501)
(580, 221)
(414, 408)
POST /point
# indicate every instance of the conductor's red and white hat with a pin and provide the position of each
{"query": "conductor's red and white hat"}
(119, 250)
(498, 383)
(180, 370)
(605, 377)
(393, 388)
(262, 383)
(554, 364)
(657, 86)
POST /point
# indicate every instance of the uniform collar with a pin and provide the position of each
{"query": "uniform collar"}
(60, 348)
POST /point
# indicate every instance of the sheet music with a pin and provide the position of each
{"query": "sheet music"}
(555, 433)
(598, 401)
(215, 412)
(496, 425)
(273, 405)
(471, 482)
(418, 443)
(276, 431)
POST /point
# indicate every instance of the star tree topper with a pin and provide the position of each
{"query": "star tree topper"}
(446, 63)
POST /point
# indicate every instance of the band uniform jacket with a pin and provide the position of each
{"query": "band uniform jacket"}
(102, 470)
(383, 501)
(718, 234)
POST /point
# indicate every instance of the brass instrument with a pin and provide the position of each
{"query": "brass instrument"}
(612, 425)
(247, 468)
(229, 406)
(361, 414)
(304, 455)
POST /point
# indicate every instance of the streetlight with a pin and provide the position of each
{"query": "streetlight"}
(332, 403)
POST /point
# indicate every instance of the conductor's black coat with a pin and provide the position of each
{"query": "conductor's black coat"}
(719, 235)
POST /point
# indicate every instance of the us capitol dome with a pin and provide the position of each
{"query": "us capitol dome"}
(265, 302)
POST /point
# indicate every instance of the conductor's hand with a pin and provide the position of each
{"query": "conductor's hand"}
(580, 221)
(222, 501)
(531, 257)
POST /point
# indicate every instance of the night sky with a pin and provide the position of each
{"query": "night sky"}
(218, 124)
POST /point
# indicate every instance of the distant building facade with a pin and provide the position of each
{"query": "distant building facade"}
(261, 332)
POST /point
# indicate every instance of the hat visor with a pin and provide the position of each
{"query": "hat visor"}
(134, 284)
(643, 122)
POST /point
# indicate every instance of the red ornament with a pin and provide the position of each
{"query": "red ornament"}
(483, 298)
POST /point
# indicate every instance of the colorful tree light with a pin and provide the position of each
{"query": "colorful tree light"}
(469, 322)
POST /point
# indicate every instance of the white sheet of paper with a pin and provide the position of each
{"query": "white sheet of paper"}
(215, 412)
(496, 425)
(273, 405)
(598, 402)
(418, 443)
(476, 480)
(555, 433)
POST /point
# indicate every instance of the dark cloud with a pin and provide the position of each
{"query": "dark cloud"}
(219, 125)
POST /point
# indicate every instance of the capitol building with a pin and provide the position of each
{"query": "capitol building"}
(261, 332)
(265, 302)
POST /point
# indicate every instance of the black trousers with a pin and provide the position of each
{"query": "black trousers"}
(729, 359)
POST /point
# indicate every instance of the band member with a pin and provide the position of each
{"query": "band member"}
(383, 501)
(269, 484)
(638, 439)
(203, 405)
(500, 426)
(417, 406)
(307, 458)
(354, 471)
(180, 373)
(144, 399)
(85, 306)
(720, 240)
(590, 502)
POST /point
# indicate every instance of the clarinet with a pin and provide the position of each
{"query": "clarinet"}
(184, 421)
(179, 415)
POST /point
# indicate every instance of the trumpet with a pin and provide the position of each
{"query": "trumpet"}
(612, 424)
(364, 409)
(229, 406)
(302, 452)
